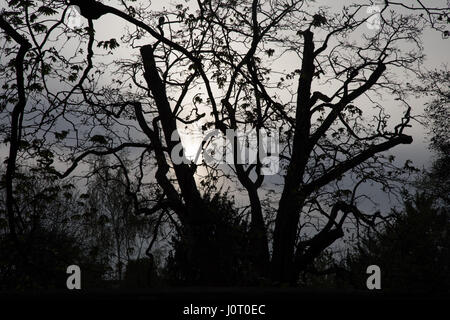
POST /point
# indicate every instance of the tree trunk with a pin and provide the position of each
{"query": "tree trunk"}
(282, 264)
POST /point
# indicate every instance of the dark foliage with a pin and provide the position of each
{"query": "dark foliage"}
(216, 251)
(141, 273)
(45, 262)
(413, 252)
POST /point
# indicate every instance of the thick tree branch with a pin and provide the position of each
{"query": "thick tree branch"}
(183, 172)
(347, 98)
(343, 167)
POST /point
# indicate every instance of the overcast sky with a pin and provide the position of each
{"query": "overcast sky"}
(436, 50)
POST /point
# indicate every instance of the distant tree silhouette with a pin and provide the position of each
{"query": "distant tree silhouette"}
(436, 180)
(50, 229)
(413, 251)
(121, 235)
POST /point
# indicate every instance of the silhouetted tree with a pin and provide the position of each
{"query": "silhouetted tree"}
(112, 223)
(226, 57)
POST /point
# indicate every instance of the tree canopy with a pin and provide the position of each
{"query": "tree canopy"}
(329, 82)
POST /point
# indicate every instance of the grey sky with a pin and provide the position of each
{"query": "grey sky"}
(436, 50)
